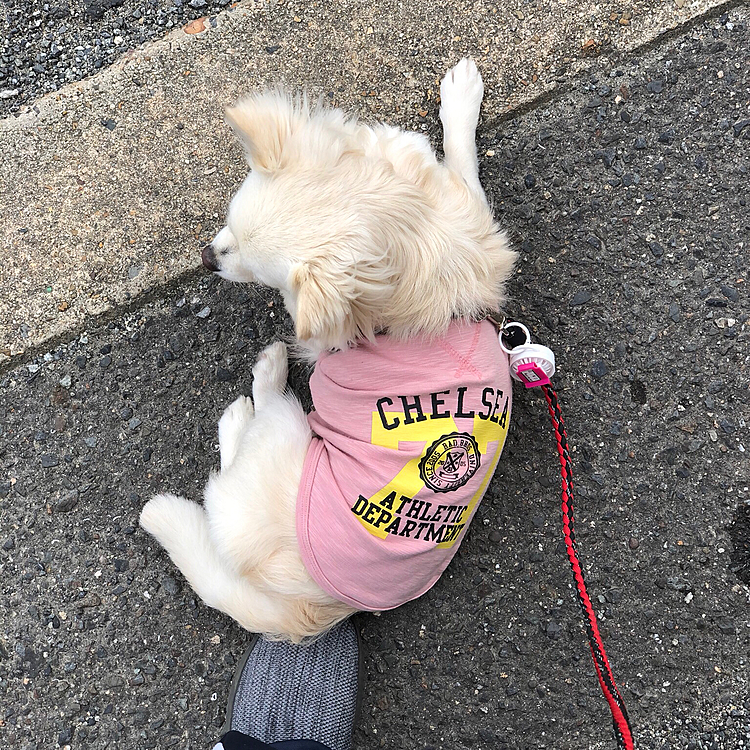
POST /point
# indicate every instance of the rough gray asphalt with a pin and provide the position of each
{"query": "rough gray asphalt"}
(628, 198)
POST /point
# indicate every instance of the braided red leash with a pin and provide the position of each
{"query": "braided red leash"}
(603, 671)
(534, 365)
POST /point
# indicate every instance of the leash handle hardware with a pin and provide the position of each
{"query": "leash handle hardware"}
(531, 364)
(513, 334)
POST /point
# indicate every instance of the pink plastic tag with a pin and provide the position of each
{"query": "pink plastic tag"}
(532, 375)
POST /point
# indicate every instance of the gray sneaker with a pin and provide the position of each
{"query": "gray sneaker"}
(283, 691)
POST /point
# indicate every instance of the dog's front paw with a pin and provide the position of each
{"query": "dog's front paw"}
(461, 93)
(270, 371)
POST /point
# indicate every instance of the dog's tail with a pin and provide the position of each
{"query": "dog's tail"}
(181, 527)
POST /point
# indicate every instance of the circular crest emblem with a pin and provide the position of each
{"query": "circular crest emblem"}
(450, 462)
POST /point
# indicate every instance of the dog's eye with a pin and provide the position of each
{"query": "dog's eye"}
(224, 252)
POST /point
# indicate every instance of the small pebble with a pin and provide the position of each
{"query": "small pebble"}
(599, 369)
(730, 293)
(667, 136)
(581, 298)
(170, 586)
(67, 502)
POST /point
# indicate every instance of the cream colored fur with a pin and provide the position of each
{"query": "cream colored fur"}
(362, 229)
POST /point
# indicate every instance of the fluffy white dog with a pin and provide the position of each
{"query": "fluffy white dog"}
(370, 239)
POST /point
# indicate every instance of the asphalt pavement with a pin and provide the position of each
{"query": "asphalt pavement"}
(627, 197)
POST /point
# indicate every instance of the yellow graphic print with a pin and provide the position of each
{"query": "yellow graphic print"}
(394, 510)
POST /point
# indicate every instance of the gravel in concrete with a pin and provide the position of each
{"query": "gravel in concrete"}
(628, 201)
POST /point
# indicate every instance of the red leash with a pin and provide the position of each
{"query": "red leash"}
(620, 719)
(534, 365)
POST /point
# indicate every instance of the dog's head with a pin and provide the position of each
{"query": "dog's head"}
(352, 229)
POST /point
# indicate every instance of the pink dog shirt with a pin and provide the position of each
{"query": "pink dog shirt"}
(408, 434)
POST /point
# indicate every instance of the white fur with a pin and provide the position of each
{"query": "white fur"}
(361, 229)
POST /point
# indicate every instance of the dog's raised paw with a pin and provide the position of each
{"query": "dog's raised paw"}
(231, 425)
(236, 416)
(461, 93)
(270, 371)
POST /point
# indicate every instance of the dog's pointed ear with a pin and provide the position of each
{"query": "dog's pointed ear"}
(323, 311)
(264, 123)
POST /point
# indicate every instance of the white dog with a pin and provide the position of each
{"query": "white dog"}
(388, 261)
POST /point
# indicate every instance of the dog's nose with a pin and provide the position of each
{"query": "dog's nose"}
(208, 258)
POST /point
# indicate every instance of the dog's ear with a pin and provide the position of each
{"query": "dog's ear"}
(323, 312)
(264, 123)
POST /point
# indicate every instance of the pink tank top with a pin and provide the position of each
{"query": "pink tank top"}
(407, 437)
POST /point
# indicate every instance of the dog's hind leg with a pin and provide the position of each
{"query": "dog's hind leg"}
(269, 378)
(251, 507)
(461, 93)
(181, 527)
(269, 374)
(232, 424)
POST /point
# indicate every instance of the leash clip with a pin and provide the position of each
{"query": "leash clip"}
(531, 364)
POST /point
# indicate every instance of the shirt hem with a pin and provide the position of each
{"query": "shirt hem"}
(306, 551)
